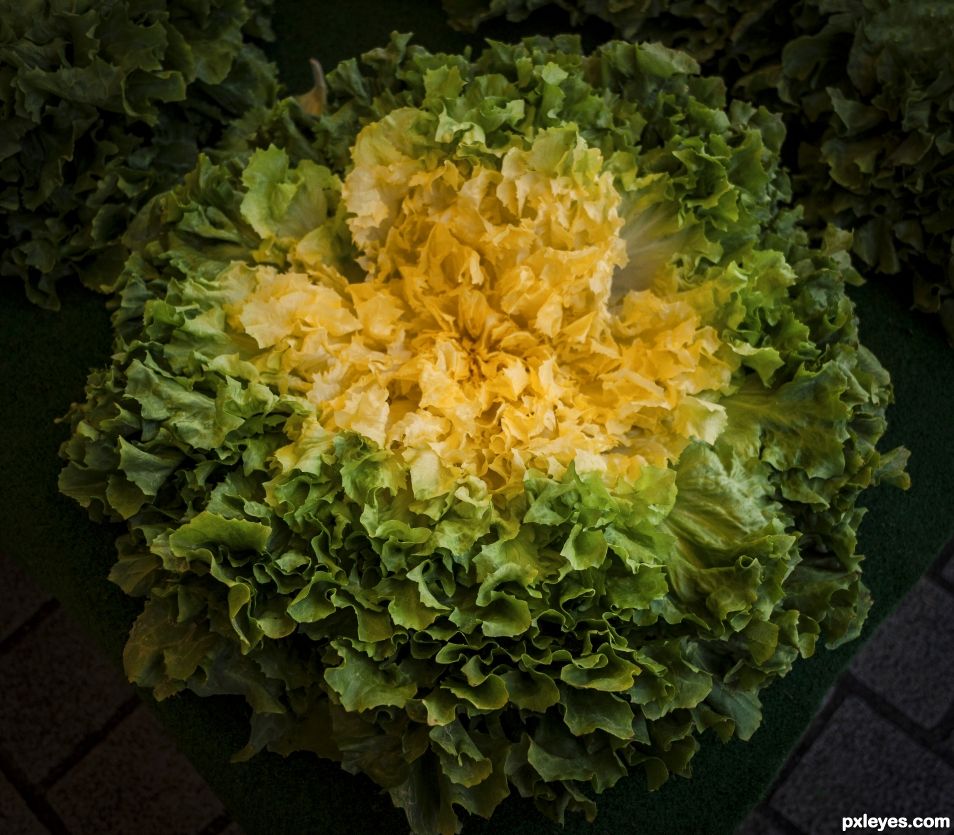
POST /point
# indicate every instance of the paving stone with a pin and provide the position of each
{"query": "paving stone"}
(862, 764)
(57, 690)
(947, 571)
(758, 824)
(21, 596)
(830, 694)
(15, 816)
(907, 661)
(135, 781)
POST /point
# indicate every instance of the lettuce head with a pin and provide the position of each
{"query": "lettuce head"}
(865, 89)
(496, 430)
(103, 104)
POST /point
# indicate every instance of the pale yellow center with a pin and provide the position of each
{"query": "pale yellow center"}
(483, 341)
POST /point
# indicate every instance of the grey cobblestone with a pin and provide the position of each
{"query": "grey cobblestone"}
(908, 661)
(57, 690)
(862, 764)
(15, 816)
(947, 572)
(758, 824)
(135, 781)
(21, 597)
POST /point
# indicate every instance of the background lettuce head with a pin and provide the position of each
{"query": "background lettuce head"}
(495, 430)
(103, 105)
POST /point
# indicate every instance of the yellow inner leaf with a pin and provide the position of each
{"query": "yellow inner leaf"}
(484, 340)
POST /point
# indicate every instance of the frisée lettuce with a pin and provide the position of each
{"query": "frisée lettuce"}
(495, 430)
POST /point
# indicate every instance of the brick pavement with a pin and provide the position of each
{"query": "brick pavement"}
(883, 742)
(80, 754)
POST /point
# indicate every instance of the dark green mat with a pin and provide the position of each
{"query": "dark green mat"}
(44, 358)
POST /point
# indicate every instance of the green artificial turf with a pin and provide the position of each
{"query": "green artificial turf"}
(44, 358)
